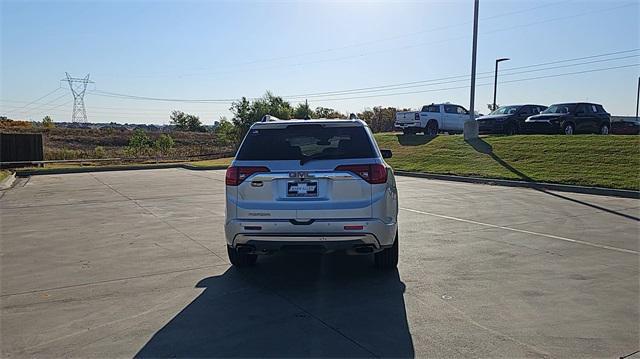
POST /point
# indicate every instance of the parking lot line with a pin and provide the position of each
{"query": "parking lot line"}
(601, 246)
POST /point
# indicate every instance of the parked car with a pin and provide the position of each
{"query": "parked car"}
(625, 126)
(432, 119)
(311, 185)
(570, 118)
(508, 119)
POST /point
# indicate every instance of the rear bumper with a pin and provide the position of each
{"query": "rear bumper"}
(328, 234)
(405, 125)
(351, 246)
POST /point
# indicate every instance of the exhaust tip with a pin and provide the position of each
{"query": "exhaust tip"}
(364, 249)
(245, 249)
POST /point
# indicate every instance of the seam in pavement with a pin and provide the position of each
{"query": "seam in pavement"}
(100, 201)
(600, 191)
(192, 173)
(112, 280)
(327, 325)
(492, 331)
(160, 219)
(601, 246)
(34, 348)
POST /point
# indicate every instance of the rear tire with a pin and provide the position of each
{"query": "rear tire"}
(568, 129)
(241, 259)
(388, 257)
(510, 129)
(431, 129)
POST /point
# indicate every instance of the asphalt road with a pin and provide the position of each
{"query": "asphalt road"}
(122, 264)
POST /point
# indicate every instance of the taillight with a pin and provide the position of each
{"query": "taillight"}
(374, 174)
(235, 175)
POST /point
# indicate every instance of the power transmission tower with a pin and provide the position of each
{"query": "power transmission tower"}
(78, 87)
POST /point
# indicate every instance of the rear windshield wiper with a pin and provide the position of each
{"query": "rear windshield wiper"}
(313, 158)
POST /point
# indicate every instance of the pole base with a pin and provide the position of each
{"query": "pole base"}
(471, 130)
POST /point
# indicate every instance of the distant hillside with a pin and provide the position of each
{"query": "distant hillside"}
(74, 143)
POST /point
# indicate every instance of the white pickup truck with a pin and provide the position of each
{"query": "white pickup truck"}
(432, 119)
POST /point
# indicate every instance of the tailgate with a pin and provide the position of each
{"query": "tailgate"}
(304, 195)
(406, 117)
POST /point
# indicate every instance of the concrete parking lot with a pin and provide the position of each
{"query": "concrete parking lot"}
(133, 263)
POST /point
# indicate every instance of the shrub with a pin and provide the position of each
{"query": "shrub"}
(47, 122)
(99, 152)
(163, 144)
(139, 143)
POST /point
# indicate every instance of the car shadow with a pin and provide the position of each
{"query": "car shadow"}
(483, 147)
(291, 306)
(414, 140)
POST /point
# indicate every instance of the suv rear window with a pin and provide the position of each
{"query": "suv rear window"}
(296, 142)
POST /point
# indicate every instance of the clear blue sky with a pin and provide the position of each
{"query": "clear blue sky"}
(224, 50)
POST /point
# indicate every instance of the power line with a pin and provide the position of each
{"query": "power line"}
(45, 104)
(38, 99)
(465, 78)
(370, 42)
(564, 17)
(134, 97)
(388, 87)
(42, 111)
(484, 84)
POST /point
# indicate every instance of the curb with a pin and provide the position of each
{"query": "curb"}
(489, 181)
(57, 171)
(600, 191)
(7, 182)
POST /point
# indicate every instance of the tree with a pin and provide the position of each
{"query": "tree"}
(163, 144)
(380, 119)
(326, 112)
(242, 118)
(303, 110)
(186, 122)
(225, 132)
(47, 122)
(246, 112)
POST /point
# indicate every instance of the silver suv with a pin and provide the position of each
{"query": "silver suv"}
(311, 186)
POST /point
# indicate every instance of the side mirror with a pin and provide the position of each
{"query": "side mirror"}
(386, 153)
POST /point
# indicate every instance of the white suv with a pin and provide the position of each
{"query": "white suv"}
(311, 186)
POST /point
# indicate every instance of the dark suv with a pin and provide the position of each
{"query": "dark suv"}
(508, 119)
(570, 118)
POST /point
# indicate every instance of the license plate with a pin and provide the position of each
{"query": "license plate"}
(302, 189)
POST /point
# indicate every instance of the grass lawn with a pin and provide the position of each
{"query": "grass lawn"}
(48, 166)
(4, 174)
(219, 162)
(603, 161)
(590, 160)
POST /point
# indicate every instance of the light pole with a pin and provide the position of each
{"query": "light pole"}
(495, 82)
(470, 129)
